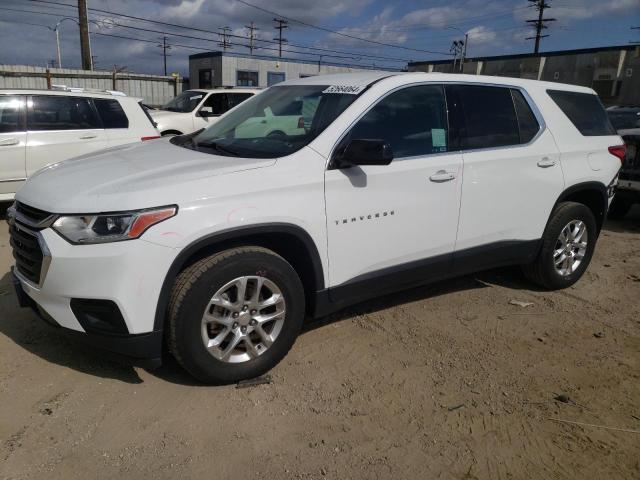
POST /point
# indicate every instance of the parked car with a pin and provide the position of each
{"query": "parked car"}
(196, 109)
(40, 127)
(224, 244)
(626, 120)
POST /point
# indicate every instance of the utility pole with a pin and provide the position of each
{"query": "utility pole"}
(85, 46)
(464, 52)
(252, 28)
(539, 23)
(282, 24)
(164, 48)
(456, 48)
(224, 43)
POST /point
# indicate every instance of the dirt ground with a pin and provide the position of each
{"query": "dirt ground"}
(449, 381)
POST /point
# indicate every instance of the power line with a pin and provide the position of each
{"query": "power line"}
(539, 23)
(252, 28)
(132, 17)
(282, 24)
(165, 47)
(391, 45)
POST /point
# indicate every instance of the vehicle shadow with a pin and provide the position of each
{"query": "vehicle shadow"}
(510, 277)
(4, 206)
(23, 327)
(629, 224)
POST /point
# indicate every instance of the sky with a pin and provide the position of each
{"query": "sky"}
(380, 33)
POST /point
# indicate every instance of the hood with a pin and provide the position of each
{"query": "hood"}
(129, 177)
(158, 114)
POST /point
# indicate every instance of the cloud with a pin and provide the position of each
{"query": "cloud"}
(481, 35)
(186, 9)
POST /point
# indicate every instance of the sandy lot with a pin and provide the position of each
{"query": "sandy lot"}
(448, 381)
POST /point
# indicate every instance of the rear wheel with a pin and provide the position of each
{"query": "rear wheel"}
(619, 208)
(567, 247)
(235, 315)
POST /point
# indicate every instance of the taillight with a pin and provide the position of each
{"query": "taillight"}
(619, 151)
(301, 122)
(144, 139)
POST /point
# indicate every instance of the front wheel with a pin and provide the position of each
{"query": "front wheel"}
(567, 247)
(235, 315)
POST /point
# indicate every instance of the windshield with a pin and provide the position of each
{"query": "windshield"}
(275, 123)
(625, 120)
(185, 102)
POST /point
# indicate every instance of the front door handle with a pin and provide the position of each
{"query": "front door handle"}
(546, 162)
(8, 142)
(442, 176)
(87, 137)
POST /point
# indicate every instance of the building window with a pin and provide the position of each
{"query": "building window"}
(274, 77)
(204, 78)
(247, 78)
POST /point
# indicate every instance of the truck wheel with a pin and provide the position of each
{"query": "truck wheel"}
(567, 247)
(619, 208)
(235, 315)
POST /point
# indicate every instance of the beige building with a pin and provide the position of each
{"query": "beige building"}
(215, 69)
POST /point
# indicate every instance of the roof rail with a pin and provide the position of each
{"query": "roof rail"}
(65, 88)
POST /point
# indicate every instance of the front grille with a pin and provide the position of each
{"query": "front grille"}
(27, 252)
(31, 216)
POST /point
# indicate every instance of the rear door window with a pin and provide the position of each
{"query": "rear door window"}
(111, 113)
(237, 98)
(487, 117)
(527, 122)
(585, 112)
(413, 121)
(61, 113)
(11, 114)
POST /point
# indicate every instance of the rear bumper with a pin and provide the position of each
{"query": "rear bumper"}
(142, 350)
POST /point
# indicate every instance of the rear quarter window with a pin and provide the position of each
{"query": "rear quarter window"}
(585, 112)
(111, 113)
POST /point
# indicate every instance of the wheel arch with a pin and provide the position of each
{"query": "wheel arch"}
(171, 132)
(592, 194)
(289, 241)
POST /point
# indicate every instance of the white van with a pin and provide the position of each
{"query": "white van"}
(40, 127)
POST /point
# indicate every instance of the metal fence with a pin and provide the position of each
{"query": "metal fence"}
(155, 90)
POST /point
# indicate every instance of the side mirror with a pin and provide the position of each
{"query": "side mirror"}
(364, 152)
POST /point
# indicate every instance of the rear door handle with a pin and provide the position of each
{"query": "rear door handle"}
(8, 142)
(442, 176)
(546, 163)
(87, 137)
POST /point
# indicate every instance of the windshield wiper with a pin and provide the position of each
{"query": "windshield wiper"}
(218, 148)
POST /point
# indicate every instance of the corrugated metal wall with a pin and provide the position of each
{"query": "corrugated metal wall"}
(155, 90)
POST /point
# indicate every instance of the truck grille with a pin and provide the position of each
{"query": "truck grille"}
(27, 252)
(24, 224)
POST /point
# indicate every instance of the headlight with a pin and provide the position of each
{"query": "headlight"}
(110, 227)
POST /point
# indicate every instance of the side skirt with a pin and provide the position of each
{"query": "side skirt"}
(423, 272)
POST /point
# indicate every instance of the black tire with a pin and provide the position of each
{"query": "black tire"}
(192, 292)
(619, 208)
(276, 134)
(542, 271)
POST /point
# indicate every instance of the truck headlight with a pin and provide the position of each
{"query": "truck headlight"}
(110, 227)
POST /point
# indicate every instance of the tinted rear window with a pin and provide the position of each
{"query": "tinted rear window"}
(527, 122)
(489, 117)
(585, 112)
(61, 113)
(111, 113)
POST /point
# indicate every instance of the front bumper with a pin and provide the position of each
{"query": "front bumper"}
(142, 350)
(128, 275)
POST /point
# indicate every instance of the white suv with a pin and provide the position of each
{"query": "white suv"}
(40, 127)
(226, 244)
(196, 109)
